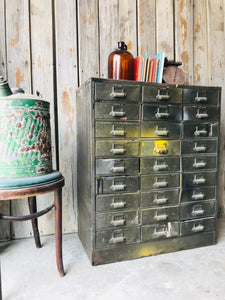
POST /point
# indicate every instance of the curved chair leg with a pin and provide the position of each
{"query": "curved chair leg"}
(58, 230)
(33, 209)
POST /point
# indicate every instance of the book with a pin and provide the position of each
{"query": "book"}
(136, 68)
(153, 69)
(140, 60)
(145, 62)
(148, 69)
(161, 57)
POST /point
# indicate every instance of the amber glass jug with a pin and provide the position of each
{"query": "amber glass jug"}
(121, 63)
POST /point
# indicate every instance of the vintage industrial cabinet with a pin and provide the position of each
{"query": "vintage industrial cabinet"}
(147, 158)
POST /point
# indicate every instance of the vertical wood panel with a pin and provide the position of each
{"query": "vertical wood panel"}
(165, 31)
(18, 65)
(146, 27)
(4, 205)
(109, 32)
(128, 24)
(88, 39)
(201, 68)
(42, 81)
(67, 82)
(184, 37)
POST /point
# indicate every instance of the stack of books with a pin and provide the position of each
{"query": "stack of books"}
(149, 69)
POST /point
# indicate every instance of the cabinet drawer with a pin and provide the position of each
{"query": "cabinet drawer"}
(201, 146)
(109, 238)
(201, 113)
(199, 162)
(160, 231)
(116, 129)
(117, 148)
(119, 219)
(155, 215)
(197, 226)
(198, 179)
(160, 147)
(117, 92)
(109, 185)
(200, 209)
(201, 96)
(160, 130)
(160, 181)
(117, 202)
(160, 198)
(117, 166)
(116, 111)
(200, 130)
(162, 112)
(196, 194)
(160, 164)
(161, 94)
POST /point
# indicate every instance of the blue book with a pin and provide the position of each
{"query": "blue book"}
(161, 57)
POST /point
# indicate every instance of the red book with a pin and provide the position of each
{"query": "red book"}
(136, 68)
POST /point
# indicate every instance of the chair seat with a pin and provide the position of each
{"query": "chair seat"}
(29, 182)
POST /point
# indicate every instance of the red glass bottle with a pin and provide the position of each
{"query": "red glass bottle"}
(121, 63)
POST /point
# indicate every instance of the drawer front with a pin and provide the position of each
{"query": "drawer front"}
(200, 209)
(116, 220)
(160, 164)
(117, 166)
(157, 215)
(160, 147)
(159, 231)
(199, 179)
(200, 130)
(198, 147)
(162, 112)
(158, 181)
(200, 162)
(109, 185)
(160, 130)
(117, 202)
(162, 94)
(117, 148)
(116, 129)
(201, 96)
(110, 238)
(160, 198)
(117, 92)
(197, 226)
(205, 193)
(201, 113)
(116, 111)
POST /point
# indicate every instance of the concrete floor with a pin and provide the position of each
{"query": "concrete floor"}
(30, 273)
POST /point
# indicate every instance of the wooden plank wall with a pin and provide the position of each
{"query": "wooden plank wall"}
(54, 46)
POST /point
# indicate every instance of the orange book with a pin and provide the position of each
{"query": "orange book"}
(140, 61)
(136, 68)
(153, 69)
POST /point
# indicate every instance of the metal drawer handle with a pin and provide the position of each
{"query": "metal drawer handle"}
(118, 204)
(201, 116)
(118, 151)
(200, 132)
(200, 164)
(198, 228)
(159, 184)
(200, 99)
(117, 132)
(197, 212)
(117, 240)
(160, 233)
(160, 132)
(117, 113)
(199, 148)
(198, 196)
(199, 180)
(118, 222)
(118, 169)
(160, 217)
(160, 167)
(159, 115)
(162, 97)
(160, 200)
(118, 95)
(118, 187)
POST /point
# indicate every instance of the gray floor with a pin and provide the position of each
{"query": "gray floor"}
(29, 273)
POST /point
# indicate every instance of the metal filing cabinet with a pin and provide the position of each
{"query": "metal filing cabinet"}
(147, 158)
